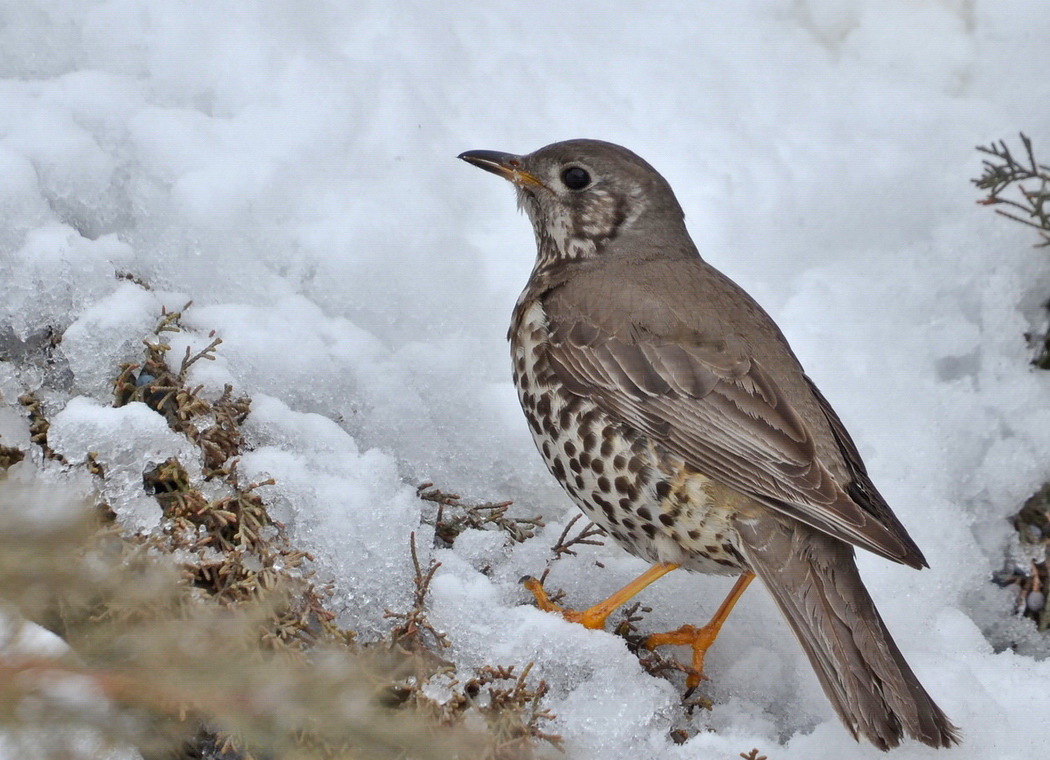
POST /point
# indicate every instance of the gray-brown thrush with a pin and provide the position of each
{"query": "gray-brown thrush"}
(670, 407)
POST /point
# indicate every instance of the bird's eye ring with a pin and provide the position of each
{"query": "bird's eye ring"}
(575, 178)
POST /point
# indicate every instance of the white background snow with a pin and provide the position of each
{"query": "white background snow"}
(289, 165)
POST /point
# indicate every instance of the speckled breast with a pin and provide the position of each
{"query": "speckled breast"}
(642, 495)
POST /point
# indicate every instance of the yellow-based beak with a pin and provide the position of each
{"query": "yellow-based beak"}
(506, 165)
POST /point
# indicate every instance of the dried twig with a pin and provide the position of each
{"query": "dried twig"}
(39, 426)
(513, 713)
(454, 516)
(563, 547)
(408, 635)
(564, 544)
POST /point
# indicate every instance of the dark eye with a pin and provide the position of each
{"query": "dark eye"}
(575, 178)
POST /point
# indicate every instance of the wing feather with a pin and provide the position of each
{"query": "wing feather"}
(719, 409)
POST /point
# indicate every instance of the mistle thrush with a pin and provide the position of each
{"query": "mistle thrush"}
(672, 410)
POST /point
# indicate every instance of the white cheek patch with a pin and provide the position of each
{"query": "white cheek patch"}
(638, 204)
(561, 236)
(595, 221)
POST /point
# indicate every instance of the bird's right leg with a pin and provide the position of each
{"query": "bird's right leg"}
(595, 617)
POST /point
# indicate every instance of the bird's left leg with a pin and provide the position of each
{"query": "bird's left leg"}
(595, 617)
(701, 639)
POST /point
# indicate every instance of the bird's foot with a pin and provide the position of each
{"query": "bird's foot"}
(592, 617)
(700, 639)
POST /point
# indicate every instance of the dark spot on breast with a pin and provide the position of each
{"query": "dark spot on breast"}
(619, 462)
(649, 529)
(693, 535)
(712, 550)
(598, 466)
(607, 446)
(667, 519)
(628, 523)
(546, 449)
(644, 513)
(570, 448)
(663, 489)
(635, 464)
(533, 422)
(590, 441)
(579, 481)
(544, 405)
(604, 485)
(732, 552)
(522, 381)
(574, 465)
(627, 505)
(623, 485)
(585, 458)
(558, 469)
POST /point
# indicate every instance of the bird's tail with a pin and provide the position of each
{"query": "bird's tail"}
(814, 580)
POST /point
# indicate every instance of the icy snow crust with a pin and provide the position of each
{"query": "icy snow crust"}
(290, 166)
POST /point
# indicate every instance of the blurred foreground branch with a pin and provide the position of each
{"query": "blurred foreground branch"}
(151, 658)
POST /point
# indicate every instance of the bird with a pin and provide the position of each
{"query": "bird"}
(672, 410)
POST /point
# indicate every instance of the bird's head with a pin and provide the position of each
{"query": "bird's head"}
(588, 198)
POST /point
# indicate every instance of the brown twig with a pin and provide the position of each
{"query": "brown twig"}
(454, 516)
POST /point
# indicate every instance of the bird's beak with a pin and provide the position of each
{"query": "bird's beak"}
(506, 165)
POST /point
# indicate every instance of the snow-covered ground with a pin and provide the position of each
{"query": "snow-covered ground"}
(289, 165)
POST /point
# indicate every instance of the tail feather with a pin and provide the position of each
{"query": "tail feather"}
(813, 578)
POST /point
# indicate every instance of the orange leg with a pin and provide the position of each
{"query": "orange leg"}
(700, 639)
(595, 617)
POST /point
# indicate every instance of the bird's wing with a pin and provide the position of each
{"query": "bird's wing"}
(860, 487)
(712, 404)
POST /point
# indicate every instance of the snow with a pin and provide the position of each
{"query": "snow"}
(322, 481)
(290, 168)
(128, 442)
